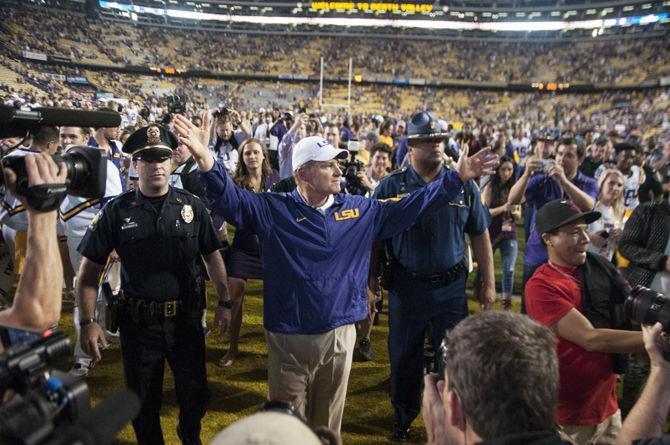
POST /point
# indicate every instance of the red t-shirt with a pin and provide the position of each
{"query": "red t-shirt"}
(587, 394)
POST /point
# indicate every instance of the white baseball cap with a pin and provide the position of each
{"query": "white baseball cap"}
(267, 428)
(315, 148)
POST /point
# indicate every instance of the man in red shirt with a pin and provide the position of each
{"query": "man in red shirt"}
(587, 405)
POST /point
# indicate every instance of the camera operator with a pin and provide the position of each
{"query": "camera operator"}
(500, 383)
(647, 418)
(13, 211)
(37, 301)
(580, 296)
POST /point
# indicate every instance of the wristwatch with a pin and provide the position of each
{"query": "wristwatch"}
(228, 304)
(88, 321)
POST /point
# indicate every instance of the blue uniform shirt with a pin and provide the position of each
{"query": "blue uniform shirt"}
(435, 242)
(315, 266)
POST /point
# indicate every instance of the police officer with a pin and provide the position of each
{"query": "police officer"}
(427, 265)
(158, 232)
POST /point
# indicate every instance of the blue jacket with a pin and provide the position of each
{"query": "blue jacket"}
(315, 266)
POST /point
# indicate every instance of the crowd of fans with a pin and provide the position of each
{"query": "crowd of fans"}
(67, 34)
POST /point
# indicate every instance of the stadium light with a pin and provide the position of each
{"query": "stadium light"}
(524, 26)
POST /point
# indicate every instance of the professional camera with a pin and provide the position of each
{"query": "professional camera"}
(86, 166)
(350, 169)
(48, 406)
(86, 171)
(647, 306)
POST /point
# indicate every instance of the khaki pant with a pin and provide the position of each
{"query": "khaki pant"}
(312, 372)
(603, 433)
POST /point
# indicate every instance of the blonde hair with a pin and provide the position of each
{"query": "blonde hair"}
(618, 202)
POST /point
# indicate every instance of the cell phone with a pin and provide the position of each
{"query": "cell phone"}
(604, 234)
(353, 145)
(547, 164)
(176, 104)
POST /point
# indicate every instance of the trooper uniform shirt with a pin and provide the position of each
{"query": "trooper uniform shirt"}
(157, 239)
(436, 241)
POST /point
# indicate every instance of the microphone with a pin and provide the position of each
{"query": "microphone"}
(15, 122)
(102, 424)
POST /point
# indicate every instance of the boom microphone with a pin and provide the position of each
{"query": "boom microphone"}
(15, 122)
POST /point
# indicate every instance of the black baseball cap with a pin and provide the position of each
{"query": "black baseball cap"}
(558, 213)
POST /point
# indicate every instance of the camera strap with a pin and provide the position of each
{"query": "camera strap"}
(46, 197)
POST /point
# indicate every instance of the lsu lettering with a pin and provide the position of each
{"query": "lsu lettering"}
(346, 214)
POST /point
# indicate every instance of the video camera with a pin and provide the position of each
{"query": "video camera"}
(86, 166)
(49, 406)
(350, 169)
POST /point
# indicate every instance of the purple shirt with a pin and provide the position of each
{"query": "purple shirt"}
(542, 189)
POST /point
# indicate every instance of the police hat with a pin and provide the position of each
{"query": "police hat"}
(157, 138)
(424, 126)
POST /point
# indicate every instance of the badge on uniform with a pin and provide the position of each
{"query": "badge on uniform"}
(128, 223)
(187, 214)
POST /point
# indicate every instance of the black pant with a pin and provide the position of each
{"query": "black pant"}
(181, 341)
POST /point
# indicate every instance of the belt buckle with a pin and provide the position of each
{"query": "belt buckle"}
(169, 309)
(436, 279)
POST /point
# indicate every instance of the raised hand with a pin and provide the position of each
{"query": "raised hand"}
(471, 167)
(195, 139)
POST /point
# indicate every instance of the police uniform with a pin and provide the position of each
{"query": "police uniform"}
(428, 275)
(159, 241)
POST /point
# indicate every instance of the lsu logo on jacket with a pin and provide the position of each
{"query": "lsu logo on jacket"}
(346, 214)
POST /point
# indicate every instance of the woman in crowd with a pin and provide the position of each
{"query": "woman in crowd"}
(605, 233)
(380, 164)
(255, 174)
(503, 225)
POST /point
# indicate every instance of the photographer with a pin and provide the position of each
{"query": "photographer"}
(37, 301)
(500, 383)
(645, 243)
(580, 296)
(647, 418)
(230, 131)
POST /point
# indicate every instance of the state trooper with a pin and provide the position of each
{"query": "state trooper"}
(158, 232)
(427, 265)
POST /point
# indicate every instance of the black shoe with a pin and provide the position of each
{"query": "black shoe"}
(187, 441)
(365, 350)
(400, 433)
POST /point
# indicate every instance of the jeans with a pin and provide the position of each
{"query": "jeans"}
(508, 251)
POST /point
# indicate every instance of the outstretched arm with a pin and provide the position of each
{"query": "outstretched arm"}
(37, 301)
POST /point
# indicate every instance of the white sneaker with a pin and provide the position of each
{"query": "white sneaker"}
(80, 368)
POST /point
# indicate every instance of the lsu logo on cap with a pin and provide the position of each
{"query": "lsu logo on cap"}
(346, 214)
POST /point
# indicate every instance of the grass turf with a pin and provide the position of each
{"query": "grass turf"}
(238, 390)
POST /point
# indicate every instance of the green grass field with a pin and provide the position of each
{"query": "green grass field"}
(238, 390)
